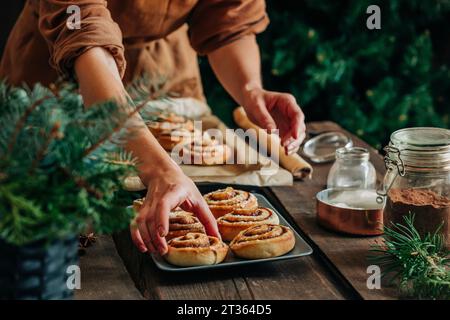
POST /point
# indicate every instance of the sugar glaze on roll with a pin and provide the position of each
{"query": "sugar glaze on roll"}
(226, 200)
(263, 241)
(195, 249)
(238, 220)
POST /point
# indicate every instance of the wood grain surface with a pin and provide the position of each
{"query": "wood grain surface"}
(336, 269)
(103, 275)
(346, 255)
(302, 278)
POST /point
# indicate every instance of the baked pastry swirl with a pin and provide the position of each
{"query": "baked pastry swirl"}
(166, 123)
(171, 129)
(226, 200)
(206, 151)
(195, 249)
(182, 222)
(240, 219)
(263, 241)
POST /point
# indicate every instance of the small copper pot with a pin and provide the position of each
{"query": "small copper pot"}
(350, 211)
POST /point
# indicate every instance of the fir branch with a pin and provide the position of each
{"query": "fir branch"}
(54, 89)
(24, 214)
(146, 86)
(54, 133)
(121, 158)
(116, 129)
(22, 121)
(83, 184)
(419, 264)
(79, 187)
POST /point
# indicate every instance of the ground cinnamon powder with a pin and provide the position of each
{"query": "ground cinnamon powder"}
(430, 210)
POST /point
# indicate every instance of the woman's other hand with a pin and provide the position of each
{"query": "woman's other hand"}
(275, 110)
(237, 66)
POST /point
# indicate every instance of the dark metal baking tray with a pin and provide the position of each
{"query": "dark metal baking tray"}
(301, 247)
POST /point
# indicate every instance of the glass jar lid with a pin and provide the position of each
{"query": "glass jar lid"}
(352, 153)
(322, 148)
(421, 138)
(420, 148)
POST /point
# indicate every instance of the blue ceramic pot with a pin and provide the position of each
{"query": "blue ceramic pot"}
(37, 270)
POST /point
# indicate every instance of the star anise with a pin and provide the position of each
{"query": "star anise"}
(86, 240)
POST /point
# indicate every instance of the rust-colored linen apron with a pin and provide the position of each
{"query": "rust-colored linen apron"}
(160, 38)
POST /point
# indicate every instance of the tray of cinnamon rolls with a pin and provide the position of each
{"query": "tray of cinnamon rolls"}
(252, 231)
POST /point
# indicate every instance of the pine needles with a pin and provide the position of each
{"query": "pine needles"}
(61, 164)
(420, 265)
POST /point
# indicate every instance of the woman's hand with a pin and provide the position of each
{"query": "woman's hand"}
(167, 189)
(237, 66)
(274, 110)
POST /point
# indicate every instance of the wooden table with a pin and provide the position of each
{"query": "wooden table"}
(336, 269)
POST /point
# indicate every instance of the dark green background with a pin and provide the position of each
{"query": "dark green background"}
(372, 82)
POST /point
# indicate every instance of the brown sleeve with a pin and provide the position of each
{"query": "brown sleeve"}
(215, 23)
(97, 30)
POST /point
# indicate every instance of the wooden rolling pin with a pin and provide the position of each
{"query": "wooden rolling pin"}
(299, 168)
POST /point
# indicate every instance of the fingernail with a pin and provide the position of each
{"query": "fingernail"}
(289, 141)
(143, 249)
(271, 128)
(161, 231)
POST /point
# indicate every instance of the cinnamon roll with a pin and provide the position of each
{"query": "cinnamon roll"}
(195, 249)
(263, 241)
(182, 222)
(206, 151)
(171, 130)
(226, 200)
(240, 219)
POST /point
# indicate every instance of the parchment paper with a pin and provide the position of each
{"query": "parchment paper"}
(250, 168)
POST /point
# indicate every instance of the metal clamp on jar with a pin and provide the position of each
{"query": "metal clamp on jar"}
(417, 180)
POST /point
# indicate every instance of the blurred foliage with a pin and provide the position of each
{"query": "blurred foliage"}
(61, 164)
(371, 82)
